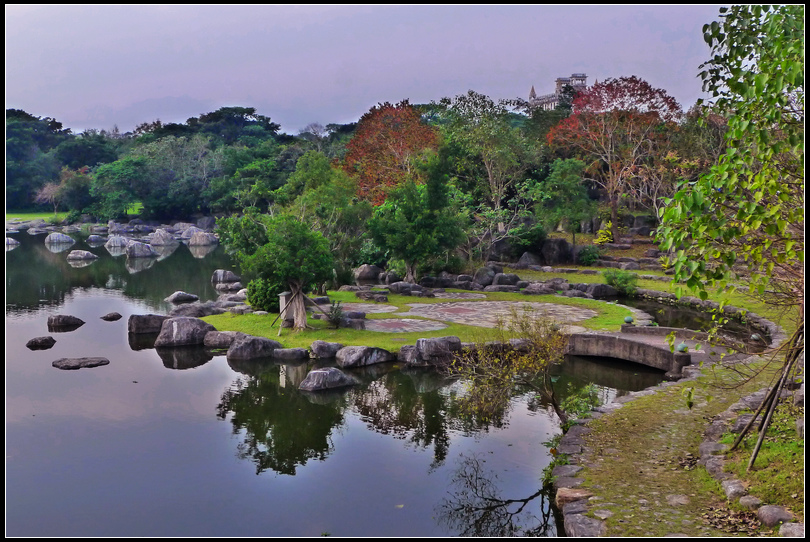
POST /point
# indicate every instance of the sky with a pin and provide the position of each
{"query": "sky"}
(105, 66)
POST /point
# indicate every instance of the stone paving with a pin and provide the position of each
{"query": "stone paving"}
(403, 325)
(490, 313)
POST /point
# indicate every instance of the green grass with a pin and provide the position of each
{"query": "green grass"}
(48, 217)
(609, 317)
(777, 476)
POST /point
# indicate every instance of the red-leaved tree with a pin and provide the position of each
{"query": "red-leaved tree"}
(618, 127)
(385, 148)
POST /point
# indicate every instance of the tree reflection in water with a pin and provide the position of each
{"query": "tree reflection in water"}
(476, 508)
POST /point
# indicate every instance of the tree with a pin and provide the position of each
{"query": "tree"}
(743, 221)
(562, 198)
(386, 148)
(49, 194)
(484, 130)
(616, 127)
(115, 186)
(417, 222)
(280, 250)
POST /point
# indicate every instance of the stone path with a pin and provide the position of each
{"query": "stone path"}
(489, 313)
(403, 325)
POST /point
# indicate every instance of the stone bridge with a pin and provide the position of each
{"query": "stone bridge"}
(646, 345)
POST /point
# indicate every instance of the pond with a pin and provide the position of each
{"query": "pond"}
(145, 446)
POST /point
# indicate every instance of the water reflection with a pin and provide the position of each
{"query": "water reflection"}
(184, 357)
(476, 506)
(281, 430)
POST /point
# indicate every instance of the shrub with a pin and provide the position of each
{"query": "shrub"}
(588, 254)
(527, 238)
(335, 314)
(624, 281)
(263, 294)
(605, 235)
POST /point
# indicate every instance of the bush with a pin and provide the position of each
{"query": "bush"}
(527, 238)
(335, 314)
(605, 235)
(588, 254)
(263, 294)
(624, 281)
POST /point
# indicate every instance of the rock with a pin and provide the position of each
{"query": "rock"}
(136, 249)
(792, 530)
(81, 255)
(64, 321)
(181, 297)
(367, 272)
(369, 295)
(111, 316)
(749, 502)
(602, 291)
(221, 340)
(11, 242)
(734, 489)
(72, 364)
(202, 239)
(323, 349)
(556, 251)
(224, 275)
(117, 241)
(161, 237)
(571, 494)
(250, 347)
(41, 343)
(183, 331)
(291, 354)
(484, 276)
(505, 279)
(538, 288)
(436, 351)
(57, 238)
(360, 356)
(145, 323)
(578, 525)
(326, 379)
(189, 232)
(528, 259)
(500, 288)
(207, 223)
(771, 515)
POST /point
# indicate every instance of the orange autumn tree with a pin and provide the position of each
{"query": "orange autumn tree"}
(618, 127)
(385, 148)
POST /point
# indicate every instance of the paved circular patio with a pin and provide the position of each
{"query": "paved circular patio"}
(491, 313)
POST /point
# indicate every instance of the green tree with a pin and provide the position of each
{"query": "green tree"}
(743, 221)
(562, 198)
(417, 222)
(116, 186)
(281, 250)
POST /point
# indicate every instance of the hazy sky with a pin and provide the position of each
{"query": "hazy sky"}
(99, 66)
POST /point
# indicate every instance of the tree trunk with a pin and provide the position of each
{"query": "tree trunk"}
(410, 272)
(614, 217)
(298, 308)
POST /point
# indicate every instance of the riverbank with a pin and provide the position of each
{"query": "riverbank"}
(636, 467)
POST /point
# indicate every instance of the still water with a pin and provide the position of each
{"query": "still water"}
(148, 447)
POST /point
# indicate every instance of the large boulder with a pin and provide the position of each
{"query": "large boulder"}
(367, 272)
(556, 251)
(484, 276)
(505, 279)
(145, 323)
(181, 297)
(323, 349)
(291, 354)
(221, 340)
(41, 343)
(528, 259)
(64, 321)
(250, 347)
(224, 276)
(602, 291)
(360, 356)
(81, 255)
(161, 237)
(183, 331)
(435, 351)
(57, 238)
(326, 379)
(136, 249)
(202, 238)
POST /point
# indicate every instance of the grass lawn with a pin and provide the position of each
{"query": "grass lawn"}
(609, 318)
